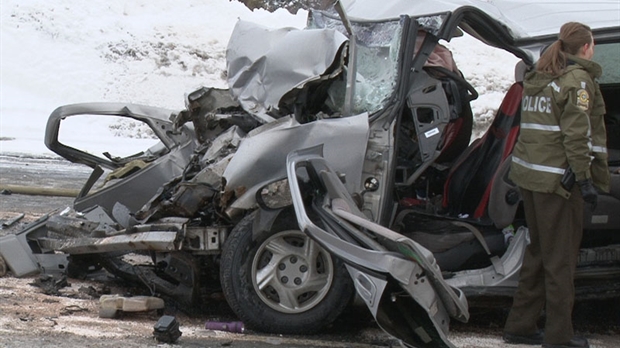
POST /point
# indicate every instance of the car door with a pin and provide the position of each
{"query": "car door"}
(397, 278)
(132, 175)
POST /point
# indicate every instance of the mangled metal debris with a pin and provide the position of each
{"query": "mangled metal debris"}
(51, 284)
(20, 257)
(71, 309)
(9, 222)
(262, 69)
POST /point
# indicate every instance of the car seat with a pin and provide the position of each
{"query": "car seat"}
(457, 133)
(470, 180)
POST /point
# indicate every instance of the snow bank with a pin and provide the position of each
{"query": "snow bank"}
(148, 52)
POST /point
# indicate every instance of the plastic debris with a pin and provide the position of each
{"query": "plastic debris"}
(167, 329)
(111, 304)
(231, 326)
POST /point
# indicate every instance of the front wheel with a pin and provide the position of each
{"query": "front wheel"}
(281, 281)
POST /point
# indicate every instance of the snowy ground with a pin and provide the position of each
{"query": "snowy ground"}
(145, 52)
(149, 52)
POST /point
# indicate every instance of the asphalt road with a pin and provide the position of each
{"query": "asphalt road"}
(38, 173)
(598, 320)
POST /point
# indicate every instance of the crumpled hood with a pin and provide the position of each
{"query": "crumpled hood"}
(265, 64)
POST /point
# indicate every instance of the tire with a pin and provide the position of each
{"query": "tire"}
(295, 296)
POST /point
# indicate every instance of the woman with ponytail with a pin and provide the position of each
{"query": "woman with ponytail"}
(559, 158)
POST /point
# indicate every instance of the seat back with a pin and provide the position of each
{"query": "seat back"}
(457, 133)
(469, 182)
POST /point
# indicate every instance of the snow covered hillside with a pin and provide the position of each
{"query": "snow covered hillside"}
(148, 52)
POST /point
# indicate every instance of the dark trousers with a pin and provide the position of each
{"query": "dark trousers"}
(548, 271)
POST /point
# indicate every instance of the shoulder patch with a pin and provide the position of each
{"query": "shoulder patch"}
(583, 99)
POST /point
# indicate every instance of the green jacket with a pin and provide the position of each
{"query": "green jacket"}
(561, 125)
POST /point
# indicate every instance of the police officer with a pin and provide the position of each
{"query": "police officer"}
(559, 158)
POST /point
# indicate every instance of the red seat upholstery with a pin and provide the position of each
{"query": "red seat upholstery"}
(468, 186)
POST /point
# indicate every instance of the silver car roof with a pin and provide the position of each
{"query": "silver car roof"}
(523, 18)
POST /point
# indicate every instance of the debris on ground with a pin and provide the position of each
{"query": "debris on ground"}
(232, 326)
(167, 329)
(93, 292)
(11, 221)
(51, 284)
(112, 304)
(68, 310)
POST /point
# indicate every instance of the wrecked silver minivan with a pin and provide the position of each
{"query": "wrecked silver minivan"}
(337, 161)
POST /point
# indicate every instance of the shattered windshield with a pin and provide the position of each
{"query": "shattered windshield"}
(378, 48)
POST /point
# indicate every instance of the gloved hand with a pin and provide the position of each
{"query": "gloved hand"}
(588, 192)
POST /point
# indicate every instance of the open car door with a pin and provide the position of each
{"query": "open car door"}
(397, 278)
